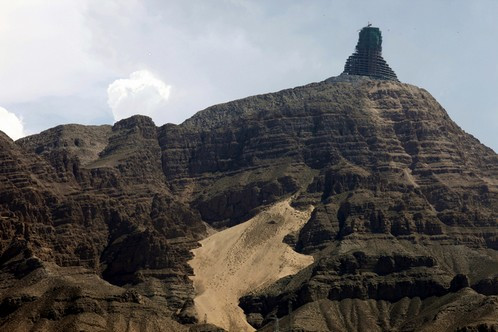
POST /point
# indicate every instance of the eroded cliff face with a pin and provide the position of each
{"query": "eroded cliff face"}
(405, 206)
(95, 197)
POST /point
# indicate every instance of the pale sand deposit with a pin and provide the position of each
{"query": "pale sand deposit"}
(240, 259)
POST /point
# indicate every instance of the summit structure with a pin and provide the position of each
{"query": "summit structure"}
(367, 59)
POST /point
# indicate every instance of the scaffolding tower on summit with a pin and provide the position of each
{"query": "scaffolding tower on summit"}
(367, 60)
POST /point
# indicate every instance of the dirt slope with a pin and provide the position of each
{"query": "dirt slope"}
(243, 258)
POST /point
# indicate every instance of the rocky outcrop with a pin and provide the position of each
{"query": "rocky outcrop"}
(487, 286)
(441, 314)
(54, 298)
(101, 204)
(357, 275)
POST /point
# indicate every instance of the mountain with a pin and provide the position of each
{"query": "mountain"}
(99, 222)
(351, 204)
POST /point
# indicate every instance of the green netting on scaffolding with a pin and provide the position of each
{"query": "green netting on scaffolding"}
(367, 59)
(370, 39)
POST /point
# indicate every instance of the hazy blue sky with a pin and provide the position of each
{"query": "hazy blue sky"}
(92, 62)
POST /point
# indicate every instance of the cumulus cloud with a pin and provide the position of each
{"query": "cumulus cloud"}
(11, 124)
(141, 93)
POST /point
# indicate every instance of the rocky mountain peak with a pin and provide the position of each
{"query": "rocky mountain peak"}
(4, 136)
(141, 121)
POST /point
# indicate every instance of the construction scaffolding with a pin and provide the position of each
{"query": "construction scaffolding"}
(367, 59)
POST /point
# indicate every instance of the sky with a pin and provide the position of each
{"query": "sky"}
(96, 62)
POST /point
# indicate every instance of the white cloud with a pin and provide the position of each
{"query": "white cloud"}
(11, 124)
(142, 93)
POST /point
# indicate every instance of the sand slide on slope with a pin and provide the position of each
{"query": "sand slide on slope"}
(240, 259)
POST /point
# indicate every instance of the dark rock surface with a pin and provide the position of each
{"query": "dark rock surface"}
(488, 286)
(405, 206)
(102, 204)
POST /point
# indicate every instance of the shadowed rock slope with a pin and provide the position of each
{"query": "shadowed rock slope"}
(405, 212)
